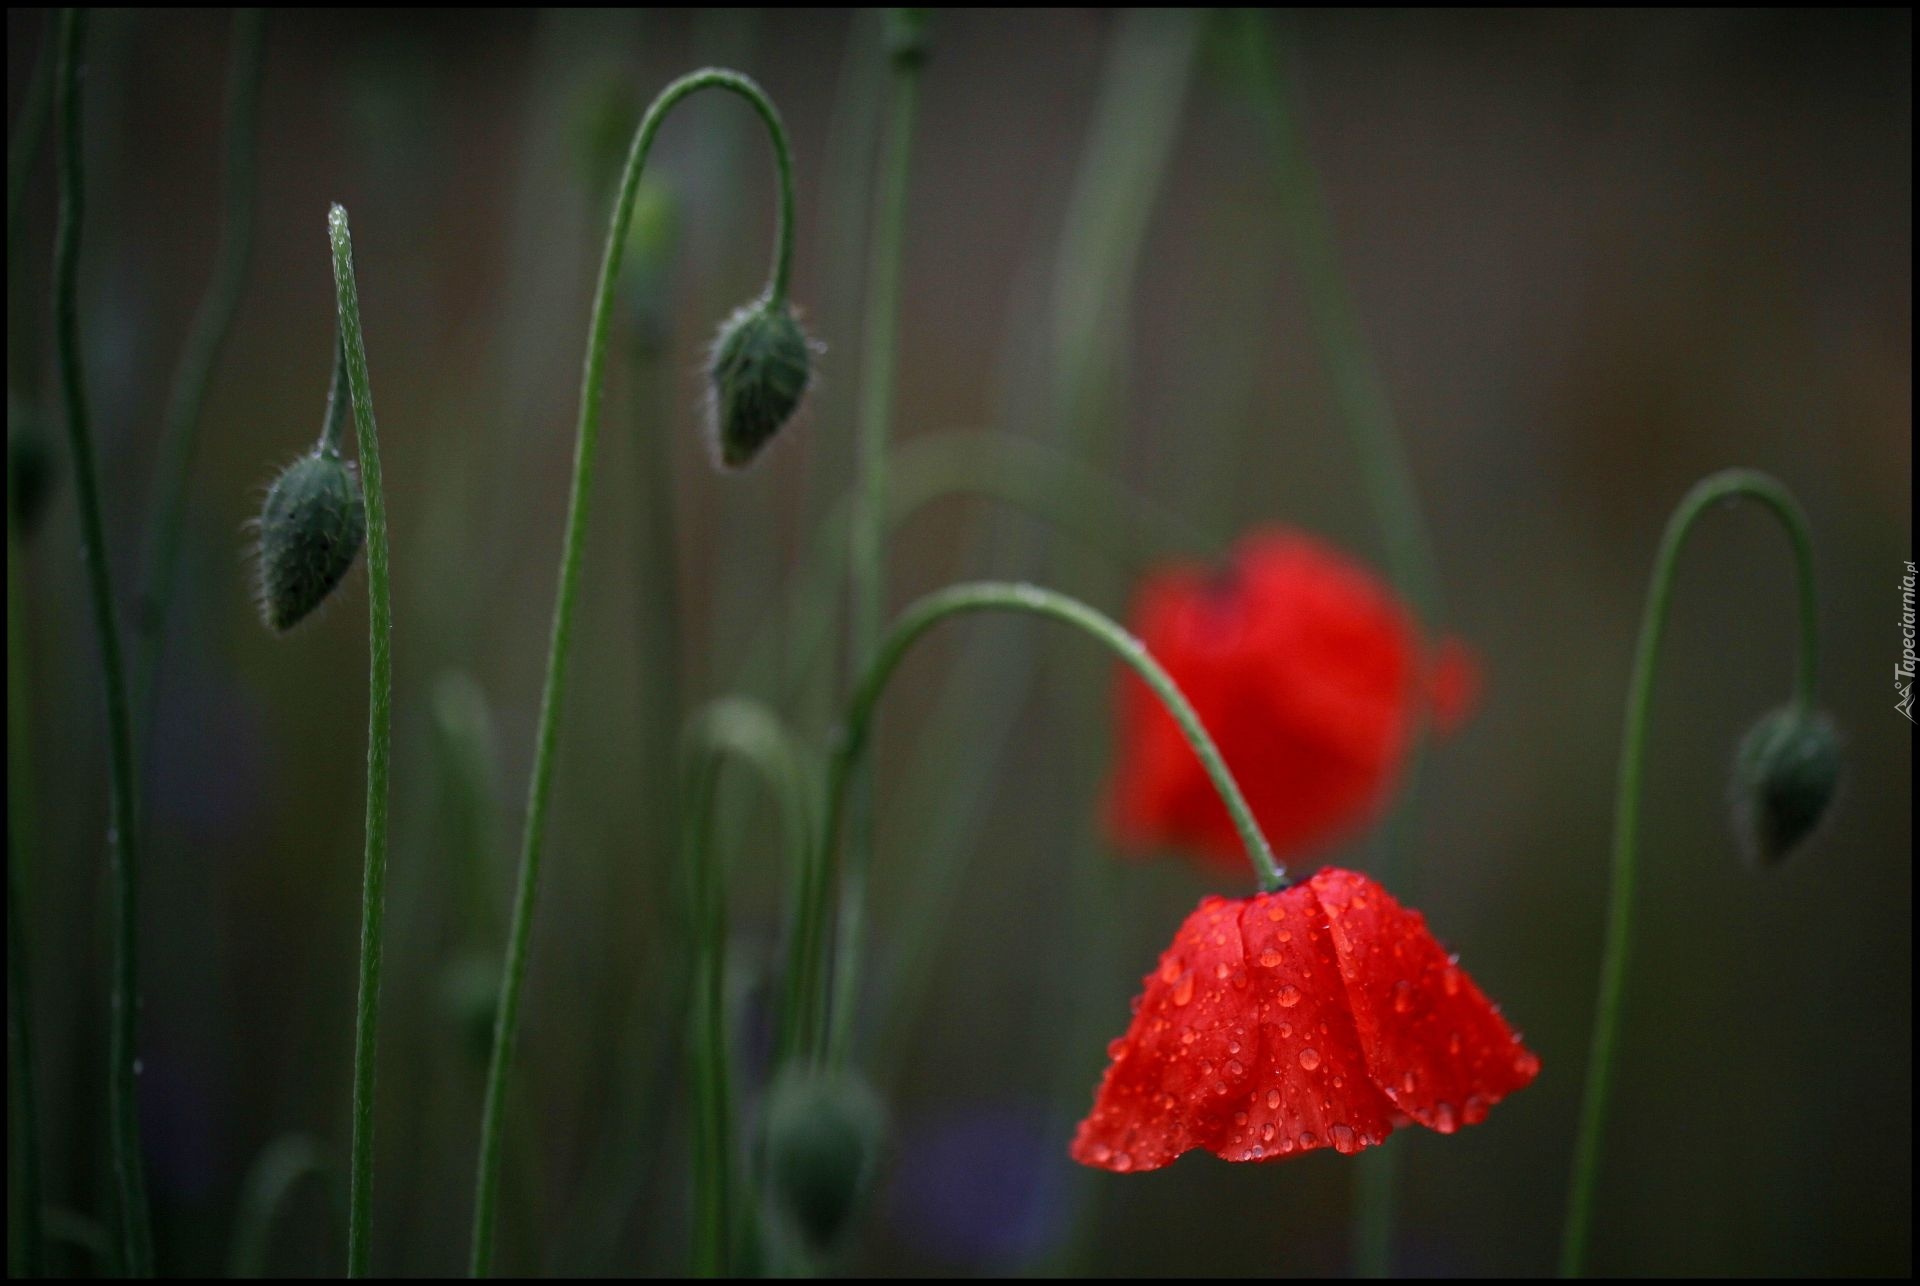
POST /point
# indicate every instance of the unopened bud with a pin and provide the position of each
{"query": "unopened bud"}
(823, 1133)
(760, 369)
(1784, 778)
(310, 531)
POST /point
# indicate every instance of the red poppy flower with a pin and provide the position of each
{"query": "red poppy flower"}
(1320, 1016)
(1308, 673)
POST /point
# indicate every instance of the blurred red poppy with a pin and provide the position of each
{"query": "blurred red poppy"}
(1309, 674)
(1324, 1015)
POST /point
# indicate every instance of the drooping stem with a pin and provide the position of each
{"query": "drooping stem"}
(882, 314)
(180, 429)
(546, 737)
(135, 1230)
(1031, 599)
(730, 728)
(1727, 484)
(373, 898)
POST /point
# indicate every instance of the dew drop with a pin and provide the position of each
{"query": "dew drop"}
(1307, 1139)
(1273, 1098)
(1235, 1069)
(1276, 913)
(1402, 997)
(1101, 1153)
(1122, 1162)
(1169, 970)
(1257, 1151)
(1343, 1139)
(1266, 1131)
(1309, 1058)
(1289, 996)
(1184, 992)
(1443, 1118)
(1270, 959)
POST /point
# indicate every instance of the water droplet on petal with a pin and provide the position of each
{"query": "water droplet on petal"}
(1122, 1162)
(1309, 1058)
(1184, 992)
(1273, 1098)
(1343, 1139)
(1402, 997)
(1289, 996)
(1270, 959)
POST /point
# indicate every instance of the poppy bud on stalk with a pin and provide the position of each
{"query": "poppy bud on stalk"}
(760, 369)
(1784, 777)
(310, 532)
(822, 1138)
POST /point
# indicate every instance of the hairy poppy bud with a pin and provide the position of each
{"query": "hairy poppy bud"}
(29, 469)
(310, 530)
(1784, 777)
(822, 1139)
(760, 370)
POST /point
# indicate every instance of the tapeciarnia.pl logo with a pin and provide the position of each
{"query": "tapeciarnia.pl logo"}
(1903, 670)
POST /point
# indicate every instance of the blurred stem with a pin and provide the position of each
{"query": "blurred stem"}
(180, 429)
(280, 1165)
(1362, 396)
(882, 314)
(379, 742)
(1727, 484)
(23, 149)
(546, 737)
(730, 728)
(26, 1256)
(135, 1231)
(1032, 600)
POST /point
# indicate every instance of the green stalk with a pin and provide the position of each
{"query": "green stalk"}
(730, 728)
(179, 432)
(1032, 600)
(379, 742)
(546, 737)
(882, 315)
(1727, 484)
(135, 1230)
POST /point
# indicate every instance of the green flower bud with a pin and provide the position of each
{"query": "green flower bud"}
(822, 1135)
(760, 368)
(29, 469)
(310, 530)
(1784, 778)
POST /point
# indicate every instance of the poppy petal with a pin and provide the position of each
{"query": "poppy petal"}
(1433, 1042)
(1312, 1089)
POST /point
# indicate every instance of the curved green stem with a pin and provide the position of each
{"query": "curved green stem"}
(930, 467)
(546, 737)
(179, 432)
(279, 1167)
(1031, 599)
(379, 739)
(1727, 484)
(135, 1230)
(736, 728)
